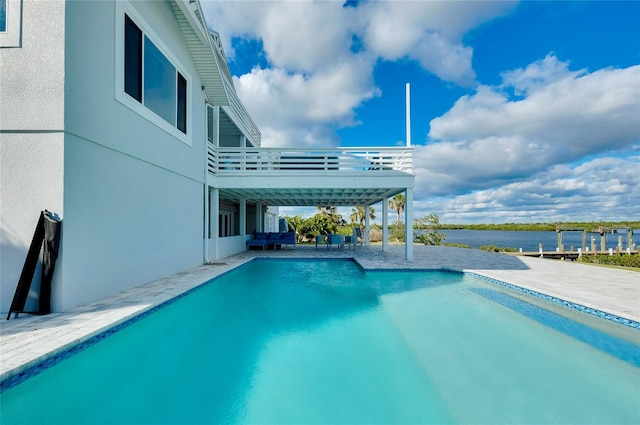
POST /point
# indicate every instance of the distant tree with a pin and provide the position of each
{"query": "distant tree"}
(397, 203)
(429, 234)
(358, 216)
(326, 221)
(334, 216)
(296, 224)
(327, 210)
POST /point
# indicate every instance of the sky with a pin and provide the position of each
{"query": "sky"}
(520, 111)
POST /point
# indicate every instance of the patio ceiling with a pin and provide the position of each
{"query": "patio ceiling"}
(310, 197)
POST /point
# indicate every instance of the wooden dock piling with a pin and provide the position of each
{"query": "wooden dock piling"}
(562, 254)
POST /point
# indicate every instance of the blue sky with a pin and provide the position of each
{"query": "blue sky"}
(521, 111)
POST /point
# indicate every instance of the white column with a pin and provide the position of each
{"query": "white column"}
(206, 223)
(408, 224)
(385, 224)
(259, 225)
(243, 216)
(215, 212)
(408, 113)
(367, 228)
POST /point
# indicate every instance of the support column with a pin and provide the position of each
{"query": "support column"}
(205, 247)
(367, 227)
(259, 224)
(243, 216)
(385, 224)
(215, 231)
(408, 224)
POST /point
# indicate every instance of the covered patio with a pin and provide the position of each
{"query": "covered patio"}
(254, 178)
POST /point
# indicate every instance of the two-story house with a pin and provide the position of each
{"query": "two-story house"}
(122, 118)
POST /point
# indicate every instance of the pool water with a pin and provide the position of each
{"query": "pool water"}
(311, 341)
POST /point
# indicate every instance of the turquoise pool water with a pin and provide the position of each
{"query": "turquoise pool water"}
(323, 342)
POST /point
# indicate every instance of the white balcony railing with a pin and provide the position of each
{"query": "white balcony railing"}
(235, 161)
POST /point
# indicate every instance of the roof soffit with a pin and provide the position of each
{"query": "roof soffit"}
(202, 50)
(208, 55)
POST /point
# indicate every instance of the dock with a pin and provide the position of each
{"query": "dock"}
(560, 253)
(569, 255)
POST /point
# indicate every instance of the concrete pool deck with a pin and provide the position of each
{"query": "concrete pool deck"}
(29, 340)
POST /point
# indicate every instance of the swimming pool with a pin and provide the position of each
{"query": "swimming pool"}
(312, 341)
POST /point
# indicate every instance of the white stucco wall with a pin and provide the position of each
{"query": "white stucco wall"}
(127, 222)
(231, 245)
(31, 136)
(133, 192)
(31, 180)
(32, 86)
(129, 193)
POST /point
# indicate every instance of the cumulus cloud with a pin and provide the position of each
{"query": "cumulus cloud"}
(428, 32)
(305, 110)
(321, 56)
(557, 117)
(302, 36)
(603, 189)
(514, 150)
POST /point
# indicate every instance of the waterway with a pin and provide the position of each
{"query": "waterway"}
(529, 241)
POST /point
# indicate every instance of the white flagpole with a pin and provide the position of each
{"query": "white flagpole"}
(408, 109)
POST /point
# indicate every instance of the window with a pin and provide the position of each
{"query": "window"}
(181, 118)
(132, 59)
(211, 136)
(10, 22)
(3, 15)
(225, 224)
(150, 82)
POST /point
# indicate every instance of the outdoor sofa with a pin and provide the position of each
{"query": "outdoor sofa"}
(273, 239)
(259, 239)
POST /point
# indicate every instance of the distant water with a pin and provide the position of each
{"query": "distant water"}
(529, 241)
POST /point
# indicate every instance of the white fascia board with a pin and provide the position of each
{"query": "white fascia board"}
(191, 9)
(192, 12)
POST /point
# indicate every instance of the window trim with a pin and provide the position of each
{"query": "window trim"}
(124, 9)
(11, 37)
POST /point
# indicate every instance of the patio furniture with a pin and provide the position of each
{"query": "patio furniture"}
(320, 239)
(288, 238)
(357, 234)
(274, 239)
(352, 240)
(260, 239)
(337, 240)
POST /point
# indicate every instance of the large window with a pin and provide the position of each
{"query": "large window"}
(151, 78)
(3, 15)
(10, 23)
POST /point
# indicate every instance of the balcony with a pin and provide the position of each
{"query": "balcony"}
(310, 177)
(317, 162)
